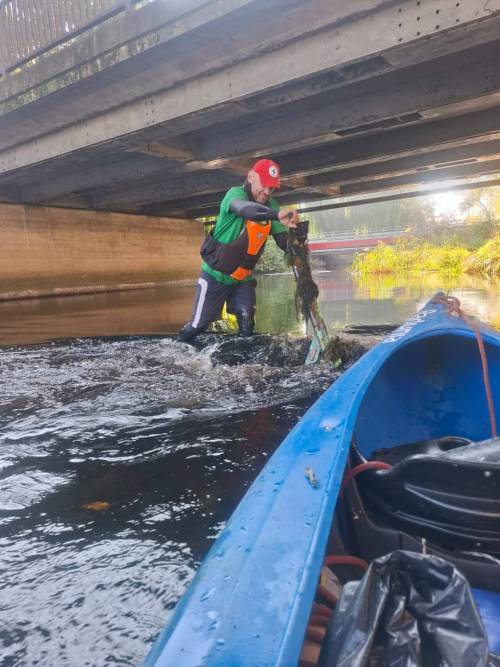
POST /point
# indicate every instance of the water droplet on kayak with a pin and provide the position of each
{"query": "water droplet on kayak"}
(221, 642)
(312, 450)
(212, 615)
(332, 422)
(206, 595)
(244, 529)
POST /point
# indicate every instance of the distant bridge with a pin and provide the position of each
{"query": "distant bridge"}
(348, 240)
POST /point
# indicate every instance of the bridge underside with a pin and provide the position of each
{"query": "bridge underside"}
(161, 109)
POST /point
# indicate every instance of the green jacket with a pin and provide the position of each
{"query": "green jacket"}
(229, 227)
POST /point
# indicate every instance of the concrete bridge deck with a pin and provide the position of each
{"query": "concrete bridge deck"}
(156, 108)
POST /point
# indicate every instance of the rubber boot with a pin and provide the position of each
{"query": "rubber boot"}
(187, 334)
(246, 322)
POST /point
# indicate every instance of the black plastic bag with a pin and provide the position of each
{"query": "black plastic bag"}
(409, 610)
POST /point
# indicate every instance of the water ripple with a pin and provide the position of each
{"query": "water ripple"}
(120, 461)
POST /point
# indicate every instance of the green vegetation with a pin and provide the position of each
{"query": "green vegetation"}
(272, 260)
(411, 255)
(466, 241)
(486, 260)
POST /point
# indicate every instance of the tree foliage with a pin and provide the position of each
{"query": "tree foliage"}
(481, 207)
(272, 260)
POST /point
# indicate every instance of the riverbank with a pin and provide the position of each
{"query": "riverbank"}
(413, 255)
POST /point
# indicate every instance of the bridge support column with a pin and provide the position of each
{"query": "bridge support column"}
(53, 251)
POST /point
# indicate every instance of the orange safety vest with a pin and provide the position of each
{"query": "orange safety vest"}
(257, 236)
(239, 257)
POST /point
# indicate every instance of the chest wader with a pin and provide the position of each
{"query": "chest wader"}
(238, 259)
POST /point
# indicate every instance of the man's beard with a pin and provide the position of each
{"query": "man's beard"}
(248, 189)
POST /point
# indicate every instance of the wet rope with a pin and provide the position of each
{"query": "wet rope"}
(453, 306)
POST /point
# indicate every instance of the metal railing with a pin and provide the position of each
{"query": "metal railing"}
(29, 28)
(351, 234)
(386, 232)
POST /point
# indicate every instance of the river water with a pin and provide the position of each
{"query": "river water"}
(122, 452)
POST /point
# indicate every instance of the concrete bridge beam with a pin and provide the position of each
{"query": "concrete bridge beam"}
(433, 161)
(389, 101)
(395, 96)
(478, 170)
(434, 137)
(410, 140)
(388, 29)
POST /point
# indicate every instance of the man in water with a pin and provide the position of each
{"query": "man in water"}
(248, 215)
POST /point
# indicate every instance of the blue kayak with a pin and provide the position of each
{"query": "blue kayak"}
(421, 388)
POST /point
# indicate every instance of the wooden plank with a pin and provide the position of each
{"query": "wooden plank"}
(3, 40)
(31, 26)
(58, 13)
(29, 37)
(18, 46)
(42, 17)
(8, 36)
(51, 19)
(77, 14)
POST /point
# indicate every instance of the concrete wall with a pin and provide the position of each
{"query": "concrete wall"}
(47, 251)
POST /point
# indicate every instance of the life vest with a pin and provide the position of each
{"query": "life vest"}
(239, 257)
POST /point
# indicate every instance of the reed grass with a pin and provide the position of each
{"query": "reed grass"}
(412, 256)
(486, 260)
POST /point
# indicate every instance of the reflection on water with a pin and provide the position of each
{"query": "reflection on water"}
(379, 300)
(344, 301)
(145, 311)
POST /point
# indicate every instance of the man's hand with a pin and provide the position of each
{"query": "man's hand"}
(288, 217)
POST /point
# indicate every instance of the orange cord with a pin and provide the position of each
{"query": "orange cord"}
(452, 304)
(316, 634)
(323, 592)
(346, 560)
(369, 465)
(321, 610)
(319, 619)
